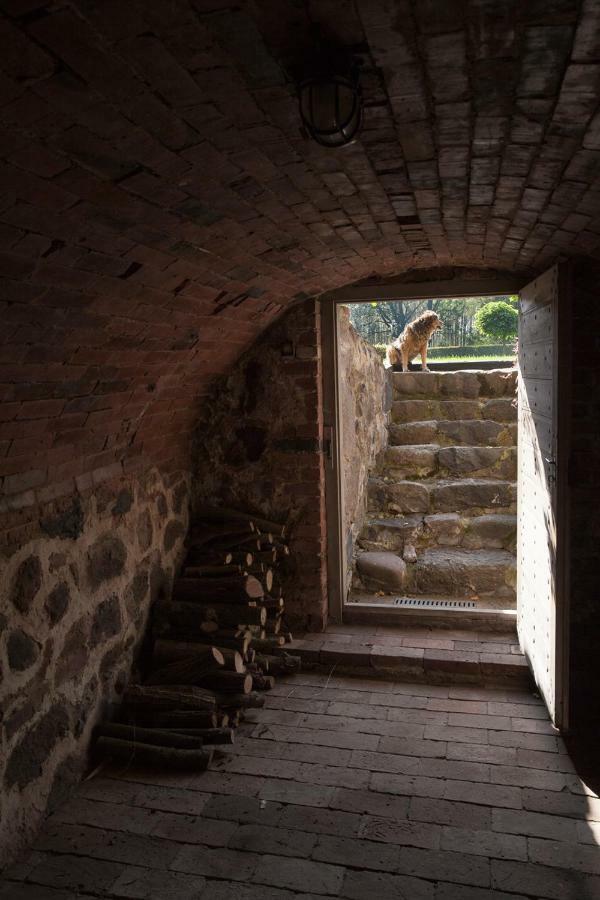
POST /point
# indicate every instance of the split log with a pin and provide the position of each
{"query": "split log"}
(212, 538)
(232, 660)
(228, 682)
(285, 664)
(211, 571)
(157, 737)
(241, 542)
(241, 701)
(267, 557)
(210, 735)
(233, 589)
(227, 514)
(200, 557)
(243, 557)
(262, 682)
(273, 603)
(151, 755)
(189, 670)
(188, 616)
(233, 638)
(165, 652)
(184, 718)
(266, 645)
(159, 697)
(272, 626)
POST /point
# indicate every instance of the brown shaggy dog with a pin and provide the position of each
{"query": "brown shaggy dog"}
(413, 341)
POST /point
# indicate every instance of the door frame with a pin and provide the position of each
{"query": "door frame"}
(334, 489)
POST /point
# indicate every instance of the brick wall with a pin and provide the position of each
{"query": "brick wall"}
(260, 447)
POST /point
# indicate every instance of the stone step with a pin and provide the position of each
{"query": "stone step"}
(464, 385)
(496, 409)
(427, 654)
(429, 611)
(488, 575)
(448, 432)
(426, 460)
(491, 532)
(479, 496)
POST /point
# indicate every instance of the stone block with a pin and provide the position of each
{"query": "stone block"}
(400, 497)
(22, 650)
(443, 528)
(26, 583)
(106, 559)
(490, 531)
(464, 573)
(382, 571)
(26, 761)
(413, 433)
(413, 461)
(470, 493)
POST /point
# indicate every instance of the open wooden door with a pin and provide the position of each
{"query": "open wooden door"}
(542, 544)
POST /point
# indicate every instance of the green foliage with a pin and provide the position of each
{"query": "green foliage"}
(497, 320)
(381, 321)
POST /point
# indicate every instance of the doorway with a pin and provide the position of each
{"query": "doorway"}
(540, 583)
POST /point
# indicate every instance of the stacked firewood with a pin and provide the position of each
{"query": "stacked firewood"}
(218, 644)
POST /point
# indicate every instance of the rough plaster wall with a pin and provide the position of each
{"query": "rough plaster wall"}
(74, 601)
(260, 447)
(364, 407)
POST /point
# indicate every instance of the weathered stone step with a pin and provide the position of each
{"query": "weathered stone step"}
(466, 385)
(480, 496)
(491, 532)
(426, 460)
(496, 409)
(475, 574)
(432, 612)
(488, 575)
(462, 432)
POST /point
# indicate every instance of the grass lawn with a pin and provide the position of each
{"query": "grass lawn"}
(461, 359)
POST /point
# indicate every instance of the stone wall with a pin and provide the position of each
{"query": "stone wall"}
(260, 447)
(365, 398)
(78, 579)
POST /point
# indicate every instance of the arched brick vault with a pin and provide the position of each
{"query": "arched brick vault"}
(160, 206)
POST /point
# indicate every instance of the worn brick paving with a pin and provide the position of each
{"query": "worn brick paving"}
(339, 787)
(421, 652)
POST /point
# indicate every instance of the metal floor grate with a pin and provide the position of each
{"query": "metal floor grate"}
(434, 604)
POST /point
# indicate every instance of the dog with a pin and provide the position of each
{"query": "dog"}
(413, 341)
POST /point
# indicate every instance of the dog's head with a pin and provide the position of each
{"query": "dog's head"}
(427, 323)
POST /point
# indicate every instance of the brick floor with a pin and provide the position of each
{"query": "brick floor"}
(339, 787)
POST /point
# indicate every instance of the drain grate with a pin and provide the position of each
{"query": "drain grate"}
(433, 604)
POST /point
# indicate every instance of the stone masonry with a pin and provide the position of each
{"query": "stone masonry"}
(74, 601)
(442, 502)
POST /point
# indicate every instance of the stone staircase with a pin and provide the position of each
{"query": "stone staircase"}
(441, 525)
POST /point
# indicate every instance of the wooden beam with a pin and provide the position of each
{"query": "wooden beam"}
(424, 290)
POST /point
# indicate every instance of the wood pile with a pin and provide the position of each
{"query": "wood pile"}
(218, 645)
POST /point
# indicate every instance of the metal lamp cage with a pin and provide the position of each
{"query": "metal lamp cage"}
(331, 108)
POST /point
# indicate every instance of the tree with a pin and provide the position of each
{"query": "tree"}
(498, 320)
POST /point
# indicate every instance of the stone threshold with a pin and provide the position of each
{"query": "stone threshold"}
(420, 654)
(372, 609)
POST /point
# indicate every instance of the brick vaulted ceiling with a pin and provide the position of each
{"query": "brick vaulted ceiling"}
(159, 205)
